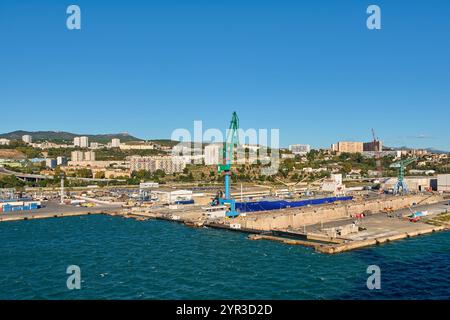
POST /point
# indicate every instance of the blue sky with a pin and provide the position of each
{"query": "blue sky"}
(310, 68)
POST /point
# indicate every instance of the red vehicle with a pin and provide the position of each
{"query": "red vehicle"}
(414, 219)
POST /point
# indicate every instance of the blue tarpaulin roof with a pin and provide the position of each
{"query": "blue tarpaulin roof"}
(282, 204)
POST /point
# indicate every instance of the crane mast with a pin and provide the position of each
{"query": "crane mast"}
(225, 168)
(401, 186)
(376, 148)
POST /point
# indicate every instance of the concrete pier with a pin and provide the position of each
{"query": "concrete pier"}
(56, 210)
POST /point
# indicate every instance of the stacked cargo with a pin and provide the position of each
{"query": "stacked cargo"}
(13, 206)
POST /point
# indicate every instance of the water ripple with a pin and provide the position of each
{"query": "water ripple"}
(127, 259)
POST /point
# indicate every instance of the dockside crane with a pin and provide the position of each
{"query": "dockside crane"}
(377, 149)
(401, 186)
(225, 168)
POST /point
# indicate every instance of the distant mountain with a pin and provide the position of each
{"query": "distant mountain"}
(432, 150)
(67, 137)
(165, 142)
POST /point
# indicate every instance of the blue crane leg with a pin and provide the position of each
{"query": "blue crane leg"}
(227, 186)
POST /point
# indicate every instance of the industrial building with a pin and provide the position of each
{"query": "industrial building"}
(18, 205)
(443, 182)
(348, 147)
(300, 149)
(167, 164)
(415, 184)
(173, 196)
(333, 184)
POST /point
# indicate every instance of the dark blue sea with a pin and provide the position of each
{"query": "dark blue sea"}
(127, 259)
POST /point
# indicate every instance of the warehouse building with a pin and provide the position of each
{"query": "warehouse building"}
(443, 182)
(415, 184)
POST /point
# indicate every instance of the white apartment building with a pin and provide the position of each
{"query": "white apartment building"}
(94, 145)
(89, 156)
(82, 142)
(4, 142)
(76, 156)
(50, 163)
(212, 154)
(300, 149)
(167, 164)
(115, 143)
(27, 138)
(61, 161)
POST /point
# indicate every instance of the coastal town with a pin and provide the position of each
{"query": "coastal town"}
(351, 195)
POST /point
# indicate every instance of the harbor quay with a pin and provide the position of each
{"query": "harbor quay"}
(330, 228)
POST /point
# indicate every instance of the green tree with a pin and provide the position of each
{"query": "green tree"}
(100, 175)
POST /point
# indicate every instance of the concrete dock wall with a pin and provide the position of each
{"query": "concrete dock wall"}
(297, 218)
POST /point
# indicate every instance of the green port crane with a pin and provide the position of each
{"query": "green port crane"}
(401, 186)
(225, 168)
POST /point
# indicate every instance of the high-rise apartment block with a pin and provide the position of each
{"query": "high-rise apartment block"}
(167, 164)
(348, 146)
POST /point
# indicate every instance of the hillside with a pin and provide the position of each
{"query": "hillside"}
(66, 137)
(165, 142)
(11, 154)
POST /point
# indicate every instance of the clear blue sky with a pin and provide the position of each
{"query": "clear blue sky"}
(310, 68)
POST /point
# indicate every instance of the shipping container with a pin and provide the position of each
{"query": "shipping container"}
(184, 202)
